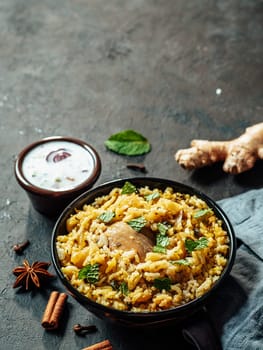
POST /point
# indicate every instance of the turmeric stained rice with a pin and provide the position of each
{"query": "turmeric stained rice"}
(142, 249)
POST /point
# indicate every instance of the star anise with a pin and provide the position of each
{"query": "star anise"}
(31, 276)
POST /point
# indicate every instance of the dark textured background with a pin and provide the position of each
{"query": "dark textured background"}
(90, 68)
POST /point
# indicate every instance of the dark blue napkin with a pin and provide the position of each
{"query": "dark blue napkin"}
(233, 318)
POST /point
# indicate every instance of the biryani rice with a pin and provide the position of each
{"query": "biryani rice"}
(190, 272)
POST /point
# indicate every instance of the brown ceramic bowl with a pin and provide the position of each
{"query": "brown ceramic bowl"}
(55, 170)
(174, 315)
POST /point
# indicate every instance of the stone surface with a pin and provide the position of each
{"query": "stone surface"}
(173, 70)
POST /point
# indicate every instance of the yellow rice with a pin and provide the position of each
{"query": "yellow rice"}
(191, 273)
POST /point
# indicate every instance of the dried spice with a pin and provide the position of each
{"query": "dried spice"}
(103, 345)
(79, 329)
(54, 310)
(29, 276)
(19, 248)
(137, 166)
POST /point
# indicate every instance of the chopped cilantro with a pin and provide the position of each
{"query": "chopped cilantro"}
(128, 142)
(162, 283)
(90, 273)
(192, 245)
(106, 216)
(128, 188)
(138, 223)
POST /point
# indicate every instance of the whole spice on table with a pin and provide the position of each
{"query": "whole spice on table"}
(29, 276)
(137, 166)
(103, 345)
(54, 310)
(79, 329)
(20, 247)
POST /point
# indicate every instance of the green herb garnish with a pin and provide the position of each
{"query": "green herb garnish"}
(128, 188)
(181, 262)
(162, 240)
(159, 249)
(128, 142)
(150, 197)
(114, 284)
(162, 283)
(106, 216)
(123, 287)
(138, 223)
(162, 228)
(90, 273)
(192, 245)
(202, 213)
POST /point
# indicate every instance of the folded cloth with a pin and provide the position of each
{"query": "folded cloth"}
(245, 212)
(235, 313)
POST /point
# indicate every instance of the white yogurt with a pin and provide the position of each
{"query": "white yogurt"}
(58, 165)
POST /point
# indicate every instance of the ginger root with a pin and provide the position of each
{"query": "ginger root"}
(238, 155)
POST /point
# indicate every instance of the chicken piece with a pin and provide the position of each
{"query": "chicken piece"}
(122, 236)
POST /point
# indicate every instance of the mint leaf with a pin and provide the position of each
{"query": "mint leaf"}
(162, 240)
(123, 287)
(90, 273)
(152, 196)
(106, 216)
(162, 283)
(192, 245)
(181, 262)
(159, 249)
(138, 223)
(199, 214)
(114, 284)
(162, 228)
(128, 188)
(128, 142)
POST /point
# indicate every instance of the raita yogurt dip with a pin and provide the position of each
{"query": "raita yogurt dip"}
(57, 165)
(56, 170)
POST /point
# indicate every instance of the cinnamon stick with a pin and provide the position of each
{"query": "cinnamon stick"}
(53, 311)
(103, 345)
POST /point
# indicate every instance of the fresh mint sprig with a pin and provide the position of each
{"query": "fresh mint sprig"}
(192, 245)
(106, 216)
(90, 273)
(138, 223)
(129, 143)
(128, 188)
